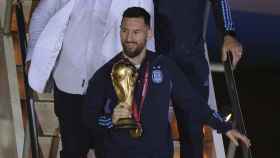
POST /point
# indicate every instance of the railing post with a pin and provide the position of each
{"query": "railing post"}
(11, 123)
(29, 97)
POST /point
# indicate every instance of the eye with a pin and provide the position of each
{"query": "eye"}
(136, 32)
(123, 30)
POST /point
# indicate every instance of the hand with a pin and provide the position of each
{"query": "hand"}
(26, 71)
(27, 66)
(234, 135)
(120, 111)
(234, 47)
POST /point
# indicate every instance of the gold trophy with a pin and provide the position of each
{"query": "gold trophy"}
(124, 76)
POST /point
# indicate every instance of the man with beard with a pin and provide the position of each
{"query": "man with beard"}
(179, 35)
(158, 81)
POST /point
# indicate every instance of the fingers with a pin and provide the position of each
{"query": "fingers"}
(119, 113)
(244, 139)
(233, 139)
(224, 55)
(237, 54)
(234, 136)
(234, 47)
(122, 112)
(27, 66)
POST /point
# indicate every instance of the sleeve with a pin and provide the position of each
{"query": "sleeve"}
(187, 99)
(95, 101)
(223, 19)
(93, 108)
(40, 17)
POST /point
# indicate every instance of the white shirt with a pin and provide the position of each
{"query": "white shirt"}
(81, 51)
(90, 39)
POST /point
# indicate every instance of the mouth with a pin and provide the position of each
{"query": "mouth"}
(130, 43)
(130, 46)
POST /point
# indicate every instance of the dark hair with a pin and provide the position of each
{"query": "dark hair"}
(137, 12)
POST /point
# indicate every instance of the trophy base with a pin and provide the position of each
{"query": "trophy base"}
(127, 123)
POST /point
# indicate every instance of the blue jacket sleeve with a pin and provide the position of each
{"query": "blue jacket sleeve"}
(94, 101)
(223, 19)
(188, 99)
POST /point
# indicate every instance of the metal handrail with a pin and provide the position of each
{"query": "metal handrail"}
(238, 121)
(32, 124)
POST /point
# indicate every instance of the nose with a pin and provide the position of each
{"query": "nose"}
(129, 37)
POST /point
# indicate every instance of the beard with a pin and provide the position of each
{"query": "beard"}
(133, 49)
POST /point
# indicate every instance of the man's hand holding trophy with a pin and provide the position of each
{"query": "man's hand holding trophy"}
(124, 76)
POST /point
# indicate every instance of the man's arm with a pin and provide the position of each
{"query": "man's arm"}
(40, 17)
(186, 98)
(95, 99)
(226, 29)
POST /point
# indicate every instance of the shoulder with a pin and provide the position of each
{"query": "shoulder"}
(103, 73)
(167, 65)
(160, 58)
(100, 79)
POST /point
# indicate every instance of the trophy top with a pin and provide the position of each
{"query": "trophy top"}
(122, 69)
(124, 76)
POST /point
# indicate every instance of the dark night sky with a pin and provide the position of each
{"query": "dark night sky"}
(257, 6)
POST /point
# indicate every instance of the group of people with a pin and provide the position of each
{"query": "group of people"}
(76, 43)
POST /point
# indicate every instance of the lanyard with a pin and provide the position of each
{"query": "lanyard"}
(135, 112)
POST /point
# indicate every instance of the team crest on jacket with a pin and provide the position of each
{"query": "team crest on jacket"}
(157, 76)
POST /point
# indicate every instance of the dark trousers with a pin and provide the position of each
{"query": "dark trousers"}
(74, 135)
(127, 154)
(191, 133)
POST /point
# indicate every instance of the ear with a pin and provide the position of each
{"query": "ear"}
(150, 33)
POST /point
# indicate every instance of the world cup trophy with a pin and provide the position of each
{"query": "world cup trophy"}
(124, 76)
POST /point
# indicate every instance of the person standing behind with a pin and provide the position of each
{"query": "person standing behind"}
(179, 34)
(69, 41)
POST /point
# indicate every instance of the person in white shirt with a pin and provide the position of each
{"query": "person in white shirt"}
(69, 41)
